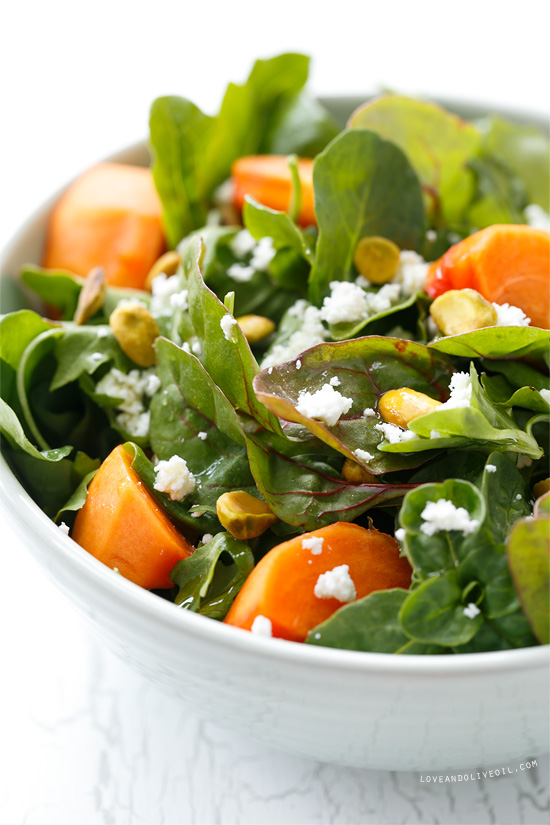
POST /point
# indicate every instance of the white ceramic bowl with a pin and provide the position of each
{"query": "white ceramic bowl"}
(363, 709)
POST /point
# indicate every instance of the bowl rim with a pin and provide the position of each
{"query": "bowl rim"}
(26, 516)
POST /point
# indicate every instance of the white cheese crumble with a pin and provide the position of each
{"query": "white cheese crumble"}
(443, 515)
(310, 333)
(431, 235)
(434, 434)
(313, 543)
(103, 332)
(241, 272)
(174, 478)
(263, 254)
(461, 392)
(166, 294)
(206, 538)
(298, 364)
(491, 468)
(369, 412)
(326, 404)
(185, 347)
(334, 381)
(261, 626)
(400, 534)
(130, 388)
(519, 497)
(64, 527)
(363, 455)
(510, 316)
(471, 611)
(336, 584)
(537, 217)
(242, 244)
(196, 348)
(411, 275)
(347, 303)
(394, 434)
(180, 300)
(202, 435)
(545, 395)
(227, 323)
(383, 299)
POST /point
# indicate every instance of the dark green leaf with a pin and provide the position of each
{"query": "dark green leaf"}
(496, 342)
(302, 125)
(529, 561)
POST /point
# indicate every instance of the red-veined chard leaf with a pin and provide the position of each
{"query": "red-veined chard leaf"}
(365, 368)
(529, 560)
(377, 193)
(305, 491)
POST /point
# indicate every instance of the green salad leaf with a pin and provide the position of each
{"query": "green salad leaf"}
(496, 342)
(301, 124)
(261, 222)
(211, 577)
(529, 560)
(377, 193)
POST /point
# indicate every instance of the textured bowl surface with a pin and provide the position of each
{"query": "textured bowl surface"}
(362, 709)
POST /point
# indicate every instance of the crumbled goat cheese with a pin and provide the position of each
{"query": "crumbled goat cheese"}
(174, 478)
(400, 534)
(524, 461)
(346, 302)
(261, 626)
(310, 333)
(65, 528)
(471, 610)
(326, 404)
(461, 392)
(511, 316)
(298, 364)
(206, 538)
(270, 370)
(369, 412)
(196, 348)
(334, 381)
(363, 455)
(103, 332)
(241, 272)
(185, 347)
(491, 468)
(431, 235)
(202, 435)
(263, 254)
(130, 389)
(180, 300)
(443, 515)
(97, 356)
(227, 323)
(163, 290)
(545, 395)
(519, 497)
(537, 217)
(336, 584)
(411, 275)
(434, 434)
(315, 544)
(394, 434)
(383, 299)
(242, 244)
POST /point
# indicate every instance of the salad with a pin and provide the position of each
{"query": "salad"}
(294, 377)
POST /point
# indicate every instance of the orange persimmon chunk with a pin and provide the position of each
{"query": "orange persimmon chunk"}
(110, 217)
(267, 179)
(506, 263)
(281, 586)
(122, 525)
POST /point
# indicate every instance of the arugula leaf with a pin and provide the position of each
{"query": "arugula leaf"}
(437, 143)
(228, 360)
(525, 150)
(528, 553)
(370, 624)
(211, 577)
(377, 193)
(305, 491)
(496, 342)
(366, 368)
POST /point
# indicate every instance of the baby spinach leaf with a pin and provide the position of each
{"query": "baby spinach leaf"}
(211, 577)
(30, 360)
(227, 358)
(377, 193)
(366, 368)
(499, 391)
(17, 330)
(261, 222)
(433, 613)
(529, 560)
(518, 373)
(496, 342)
(370, 624)
(302, 125)
(437, 143)
(305, 491)
(445, 549)
(525, 150)
(80, 350)
(500, 196)
(76, 501)
(506, 494)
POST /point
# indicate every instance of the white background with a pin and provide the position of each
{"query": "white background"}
(82, 739)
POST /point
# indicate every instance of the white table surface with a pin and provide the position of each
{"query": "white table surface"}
(83, 739)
